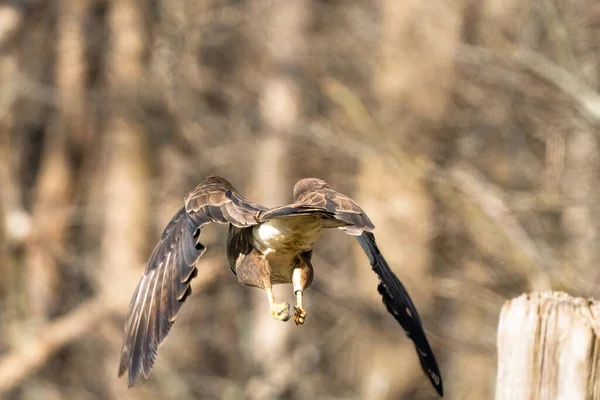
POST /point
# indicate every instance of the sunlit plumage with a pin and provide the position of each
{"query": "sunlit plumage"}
(264, 247)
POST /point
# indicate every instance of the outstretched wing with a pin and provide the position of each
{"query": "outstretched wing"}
(398, 303)
(315, 192)
(166, 282)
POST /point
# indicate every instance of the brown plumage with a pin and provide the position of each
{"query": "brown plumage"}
(264, 247)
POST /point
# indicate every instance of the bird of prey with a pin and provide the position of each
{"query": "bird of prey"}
(264, 247)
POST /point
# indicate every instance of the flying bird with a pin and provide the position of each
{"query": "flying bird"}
(265, 246)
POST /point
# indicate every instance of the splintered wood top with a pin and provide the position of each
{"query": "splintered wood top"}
(548, 348)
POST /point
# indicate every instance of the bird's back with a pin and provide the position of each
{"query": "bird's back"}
(293, 234)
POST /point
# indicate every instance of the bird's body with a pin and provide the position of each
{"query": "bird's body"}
(264, 247)
(282, 240)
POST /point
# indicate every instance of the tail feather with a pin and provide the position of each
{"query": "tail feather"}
(293, 210)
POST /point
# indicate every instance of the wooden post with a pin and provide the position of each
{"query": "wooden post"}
(548, 348)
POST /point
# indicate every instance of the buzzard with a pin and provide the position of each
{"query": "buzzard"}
(264, 247)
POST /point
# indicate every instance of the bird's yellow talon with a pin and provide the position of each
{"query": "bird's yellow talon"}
(281, 311)
(299, 315)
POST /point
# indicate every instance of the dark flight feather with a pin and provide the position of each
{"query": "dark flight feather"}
(159, 296)
(165, 284)
(316, 192)
(398, 303)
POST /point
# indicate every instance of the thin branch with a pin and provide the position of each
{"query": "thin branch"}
(588, 99)
(36, 351)
(498, 223)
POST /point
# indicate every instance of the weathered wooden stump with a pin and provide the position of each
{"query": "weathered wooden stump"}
(549, 348)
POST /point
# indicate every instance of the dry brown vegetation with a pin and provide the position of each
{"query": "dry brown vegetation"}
(467, 130)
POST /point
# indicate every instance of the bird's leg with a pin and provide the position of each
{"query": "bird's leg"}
(253, 270)
(299, 312)
(279, 311)
(301, 278)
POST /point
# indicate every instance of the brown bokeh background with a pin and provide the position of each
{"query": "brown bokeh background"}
(468, 130)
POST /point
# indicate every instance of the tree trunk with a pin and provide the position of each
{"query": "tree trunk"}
(56, 180)
(280, 104)
(548, 348)
(126, 201)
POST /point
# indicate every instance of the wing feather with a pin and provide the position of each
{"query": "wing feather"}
(317, 193)
(399, 304)
(165, 284)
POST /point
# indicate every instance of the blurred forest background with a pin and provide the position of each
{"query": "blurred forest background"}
(468, 130)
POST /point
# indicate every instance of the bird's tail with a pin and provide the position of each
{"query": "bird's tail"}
(296, 210)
